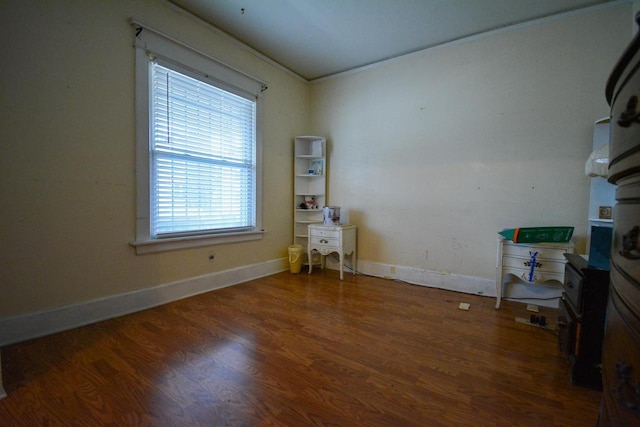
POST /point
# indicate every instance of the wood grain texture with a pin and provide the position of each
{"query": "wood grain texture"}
(300, 350)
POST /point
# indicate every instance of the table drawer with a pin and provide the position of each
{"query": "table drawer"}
(627, 289)
(323, 241)
(332, 234)
(523, 250)
(541, 265)
(621, 361)
(626, 238)
(626, 136)
(572, 286)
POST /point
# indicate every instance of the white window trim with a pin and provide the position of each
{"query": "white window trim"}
(151, 44)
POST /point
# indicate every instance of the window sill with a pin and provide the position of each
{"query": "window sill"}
(163, 245)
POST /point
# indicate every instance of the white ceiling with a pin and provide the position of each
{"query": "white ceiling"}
(318, 38)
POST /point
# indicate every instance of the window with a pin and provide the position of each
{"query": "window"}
(202, 157)
(198, 151)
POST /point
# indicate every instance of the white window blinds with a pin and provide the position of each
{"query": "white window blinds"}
(202, 156)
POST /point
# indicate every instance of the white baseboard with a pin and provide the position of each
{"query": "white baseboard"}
(38, 324)
(539, 295)
(434, 279)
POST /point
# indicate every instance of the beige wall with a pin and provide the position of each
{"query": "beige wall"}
(67, 163)
(435, 153)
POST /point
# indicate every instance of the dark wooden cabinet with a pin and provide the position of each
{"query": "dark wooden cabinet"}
(621, 346)
(581, 320)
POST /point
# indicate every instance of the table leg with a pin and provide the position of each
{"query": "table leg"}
(498, 289)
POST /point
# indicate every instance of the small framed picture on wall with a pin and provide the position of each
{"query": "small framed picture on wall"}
(604, 212)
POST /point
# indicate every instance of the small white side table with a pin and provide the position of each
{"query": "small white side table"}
(518, 259)
(333, 238)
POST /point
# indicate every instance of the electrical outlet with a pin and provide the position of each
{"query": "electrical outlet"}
(392, 269)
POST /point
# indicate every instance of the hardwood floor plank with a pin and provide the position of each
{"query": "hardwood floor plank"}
(298, 350)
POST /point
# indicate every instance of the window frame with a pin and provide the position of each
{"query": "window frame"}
(152, 45)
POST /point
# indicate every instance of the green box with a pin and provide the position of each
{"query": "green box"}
(538, 234)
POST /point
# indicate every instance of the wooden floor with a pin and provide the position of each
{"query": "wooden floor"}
(300, 350)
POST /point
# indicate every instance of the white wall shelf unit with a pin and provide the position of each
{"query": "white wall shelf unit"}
(310, 185)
